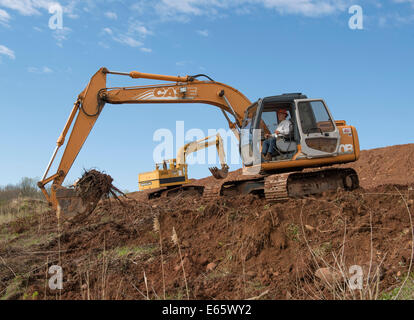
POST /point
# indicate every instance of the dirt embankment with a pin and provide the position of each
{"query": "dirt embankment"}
(391, 165)
(232, 248)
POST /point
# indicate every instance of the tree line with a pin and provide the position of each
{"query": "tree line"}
(27, 188)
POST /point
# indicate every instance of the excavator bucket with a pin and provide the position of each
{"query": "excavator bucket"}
(83, 198)
(219, 173)
(69, 204)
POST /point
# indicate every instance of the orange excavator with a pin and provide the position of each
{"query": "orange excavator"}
(296, 168)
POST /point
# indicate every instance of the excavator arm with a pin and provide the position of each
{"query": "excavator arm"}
(92, 100)
(206, 142)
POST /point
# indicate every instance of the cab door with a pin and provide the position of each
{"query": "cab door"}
(319, 136)
(250, 136)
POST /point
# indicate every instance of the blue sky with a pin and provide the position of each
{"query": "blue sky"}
(260, 47)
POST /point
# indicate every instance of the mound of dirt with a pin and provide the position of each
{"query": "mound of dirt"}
(390, 165)
(236, 247)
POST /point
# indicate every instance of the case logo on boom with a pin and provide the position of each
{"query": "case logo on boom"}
(168, 94)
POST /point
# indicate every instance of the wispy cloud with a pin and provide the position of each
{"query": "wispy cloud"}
(203, 33)
(33, 7)
(107, 31)
(146, 15)
(395, 20)
(111, 15)
(404, 1)
(43, 70)
(4, 17)
(137, 28)
(127, 40)
(61, 35)
(309, 8)
(70, 10)
(7, 52)
(26, 7)
(183, 10)
(189, 7)
(103, 44)
(183, 63)
(188, 10)
(133, 37)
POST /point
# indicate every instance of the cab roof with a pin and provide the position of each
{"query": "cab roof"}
(284, 98)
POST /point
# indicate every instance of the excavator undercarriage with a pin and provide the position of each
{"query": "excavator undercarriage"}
(276, 187)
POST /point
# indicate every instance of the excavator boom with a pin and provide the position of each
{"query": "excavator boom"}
(92, 100)
(205, 143)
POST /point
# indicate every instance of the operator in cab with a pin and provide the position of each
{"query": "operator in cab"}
(282, 130)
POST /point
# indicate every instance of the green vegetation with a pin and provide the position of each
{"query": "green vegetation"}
(178, 295)
(33, 296)
(254, 287)
(406, 293)
(218, 273)
(121, 252)
(14, 289)
(292, 232)
(323, 249)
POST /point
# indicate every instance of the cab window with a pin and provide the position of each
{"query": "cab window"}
(270, 119)
(314, 117)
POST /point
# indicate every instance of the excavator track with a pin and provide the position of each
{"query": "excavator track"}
(212, 192)
(168, 192)
(315, 182)
(275, 187)
(279, 187)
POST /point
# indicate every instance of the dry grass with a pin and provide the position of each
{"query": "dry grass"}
(176, 241)
(15, 209)
(339, 281)
(412, 245)
(96, 281)
(157, 229)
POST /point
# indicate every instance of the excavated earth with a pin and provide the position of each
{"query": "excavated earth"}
(235, 247)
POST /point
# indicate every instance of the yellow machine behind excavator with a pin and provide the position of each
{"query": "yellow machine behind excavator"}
(174, 172)
(166, 175)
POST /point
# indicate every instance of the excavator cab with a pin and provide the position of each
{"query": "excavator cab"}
(286, 145)
(312, 128)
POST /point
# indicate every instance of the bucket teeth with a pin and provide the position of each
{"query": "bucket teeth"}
(219, 173)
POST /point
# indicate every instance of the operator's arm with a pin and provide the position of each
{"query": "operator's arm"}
(283, 128)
